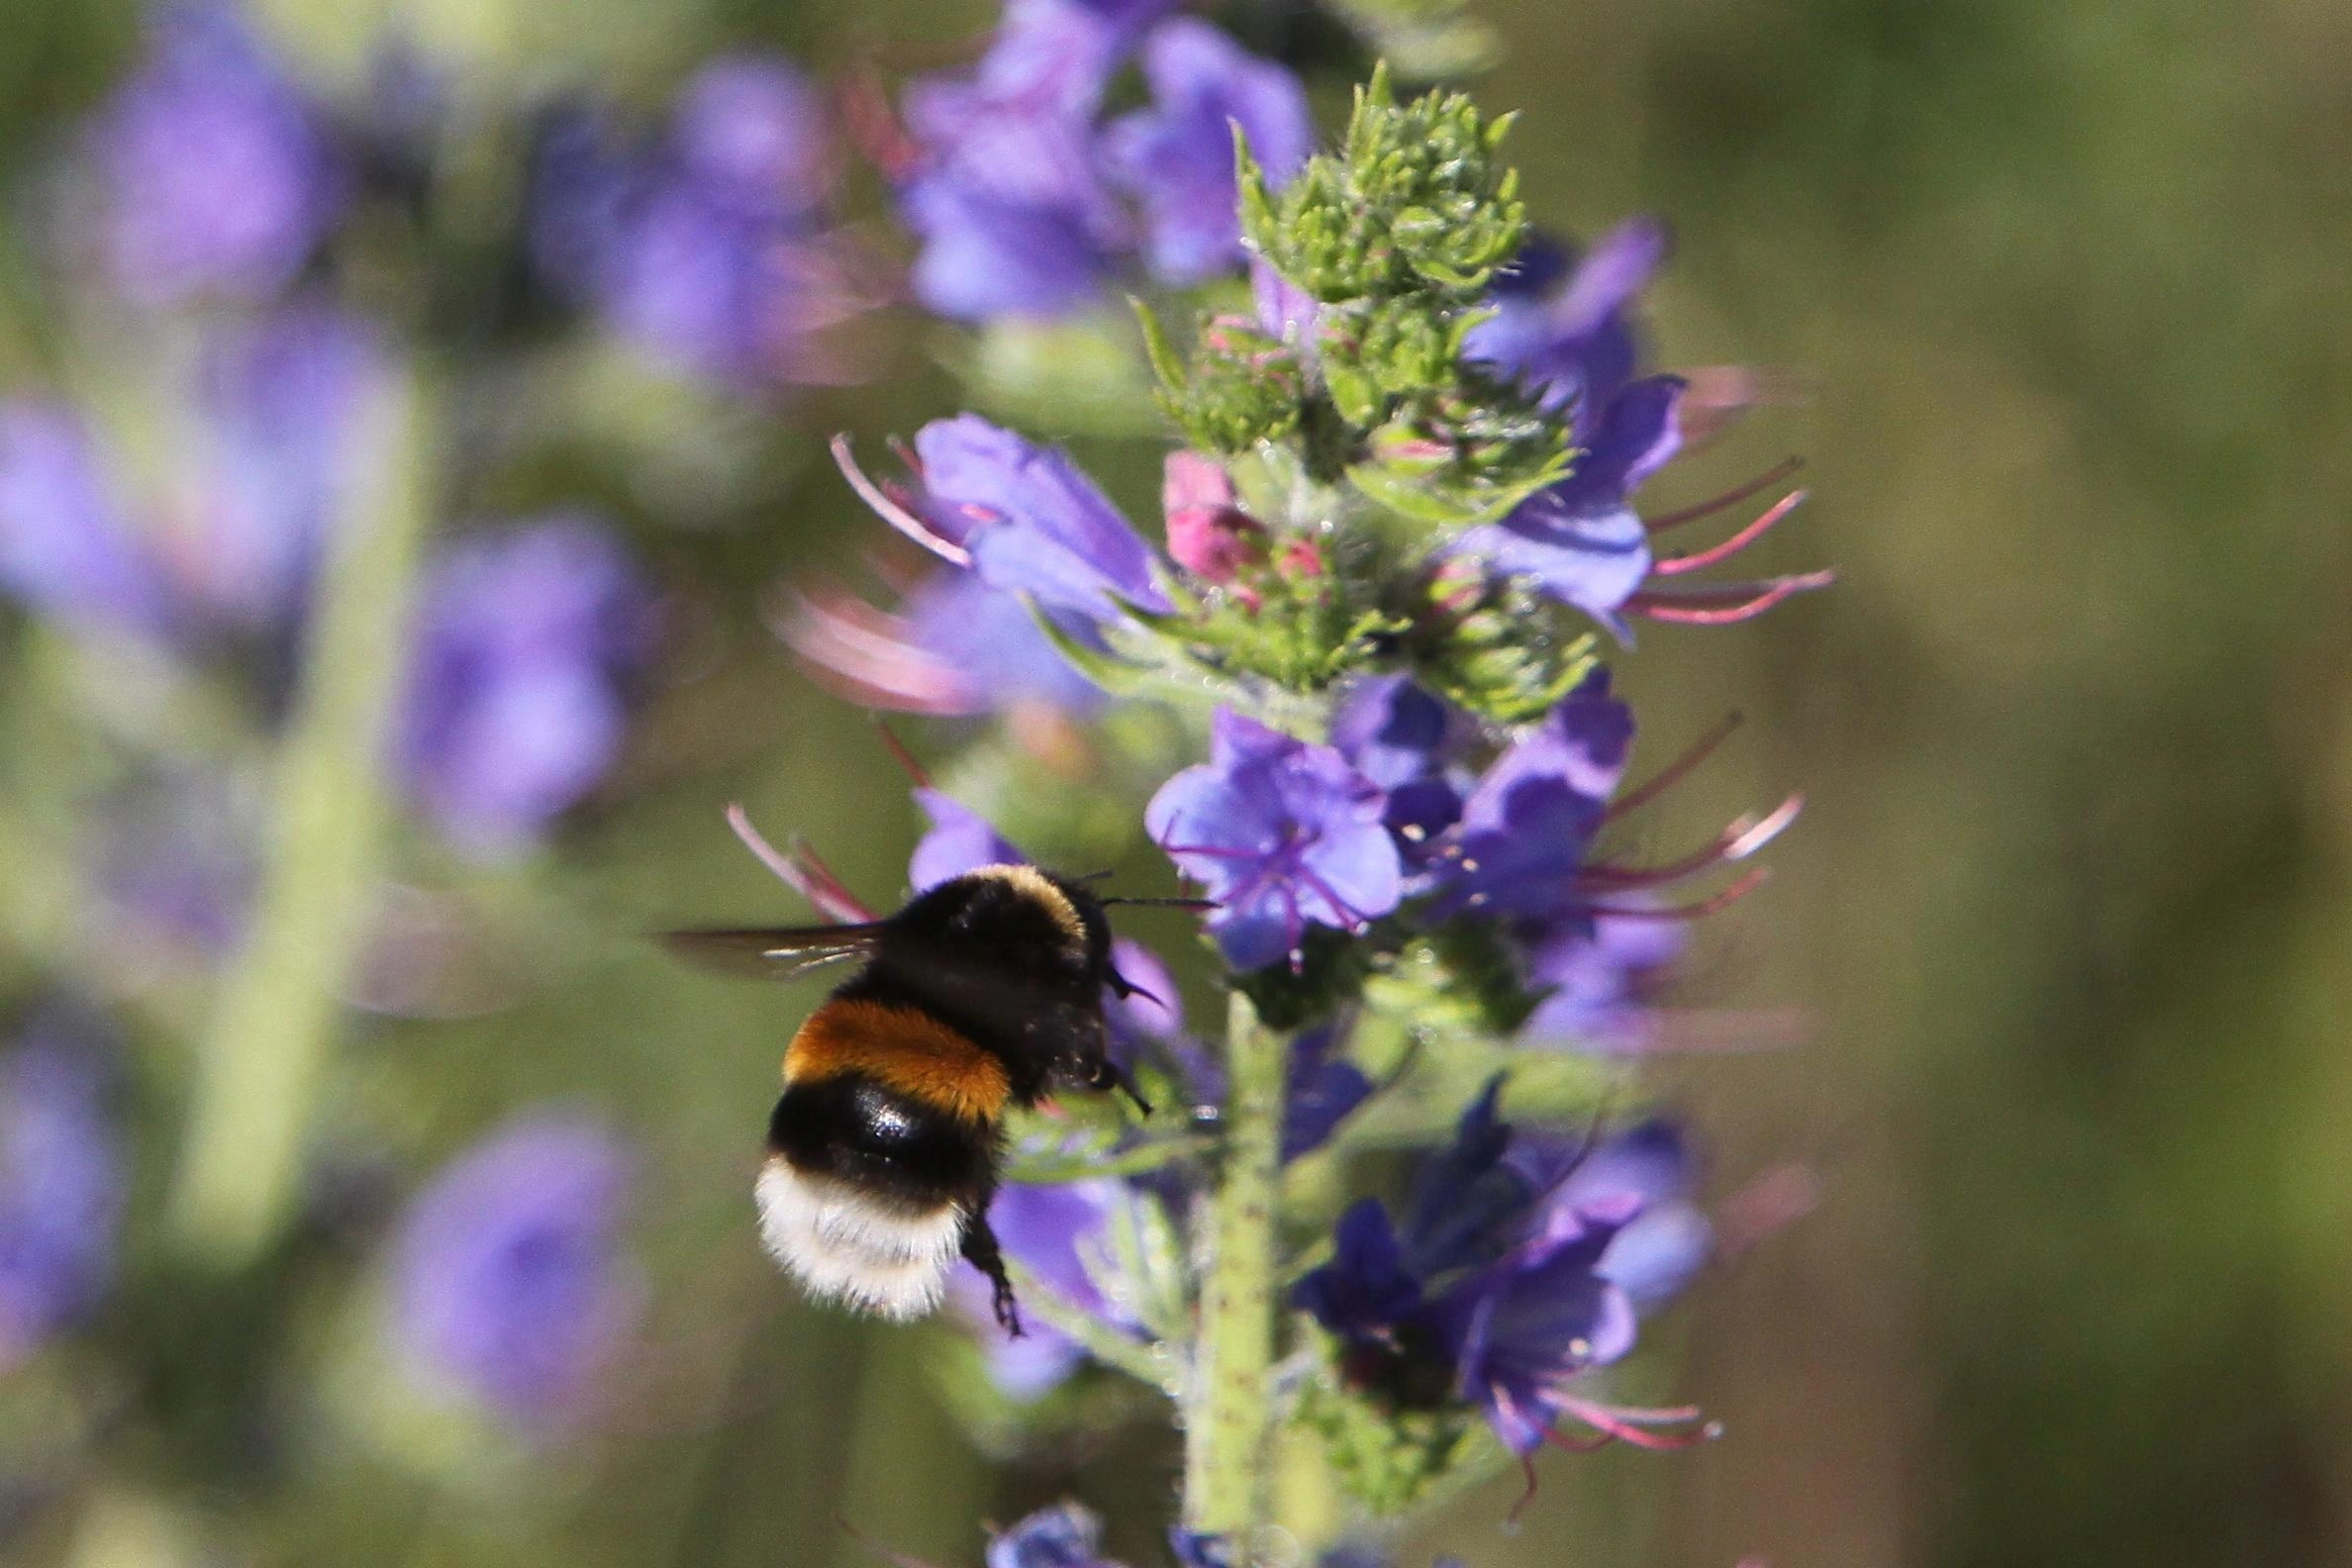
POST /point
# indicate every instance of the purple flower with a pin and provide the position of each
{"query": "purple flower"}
(1324, 1089)
(1562, 328)
(1065, 1535)
(1177, 157)
(64, 547)
(514, 709)
(278, 404)
(171, 860)
(1047, 1229)
(1647, 1169)
(1537, 1321)
(504, 1280)
(989, 652)
(1409, 742)
(712, 251)
(60, 1191)
(961, 840)
(1282, 835)
(1032, 520)
(216, 175)
(1527, 825)
(1562, 322)
(1596, 971)
(1005, 193)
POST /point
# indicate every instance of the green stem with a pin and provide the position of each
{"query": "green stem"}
(272, 1029)
(1230, 1406)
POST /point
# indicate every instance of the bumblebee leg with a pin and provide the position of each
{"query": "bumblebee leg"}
(981, 1250)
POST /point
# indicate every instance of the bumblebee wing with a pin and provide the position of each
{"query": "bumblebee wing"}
(773, 952)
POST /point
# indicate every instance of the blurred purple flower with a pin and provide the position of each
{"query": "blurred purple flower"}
(65, 548)
(1065, 1535)
(60, 1191)
(1282, 835)
(1047, 1229)
(710, 251)
(260, 478)
(504, 1276)
(1647, 1168)
(955, 645)
(278, 403)
(1177, 157)
(514, 709)
(1004, 188)
(1530, 1324)
(1528, 824)
(1324, 1089)
(961, 840)
(216, 175)
(172, 860)
(1596, 972)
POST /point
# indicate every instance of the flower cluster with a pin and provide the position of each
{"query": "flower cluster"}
(714, 248)
(1360, 674)
(1521, 1265)
(1027, 203)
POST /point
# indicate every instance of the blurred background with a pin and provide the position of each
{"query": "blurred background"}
(2056, 303)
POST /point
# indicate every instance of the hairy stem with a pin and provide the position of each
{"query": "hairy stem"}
(272, 1029)
(1232, 1404)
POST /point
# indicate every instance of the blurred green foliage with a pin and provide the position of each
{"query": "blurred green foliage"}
(2057, 298)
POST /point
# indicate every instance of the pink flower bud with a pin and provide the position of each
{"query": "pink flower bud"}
(1207, 533)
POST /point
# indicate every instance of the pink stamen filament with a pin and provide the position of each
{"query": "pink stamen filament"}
(1626, 1424)
(1688, 911)
(901, 755)
(1675, 771)
(1727, 605)
(1733, 497)
(800, 872)
(1739, 842)
(1676, 566)
(888, 508)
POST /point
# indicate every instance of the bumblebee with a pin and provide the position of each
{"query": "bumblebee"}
(983, 994)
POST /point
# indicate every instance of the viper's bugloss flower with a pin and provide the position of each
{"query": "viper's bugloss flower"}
(1530, 1324)
(1648, 1169)
(1520, 1264)
(1527, 824)
(60, 1190)
(1282, 835)
(1005, 193)
(514, 708)
(1562, 322)
(961, 840)
(1065, 1535)
(504, 1276)
(710, 251)
(1410, 743)
(1026, 519)
(1047, 1229)
(1563, 329)
(1596, 973)
(261, 474)
(1325, 1089)
(65, 546)
(1177, 157)
(275, 454)
(216, 175)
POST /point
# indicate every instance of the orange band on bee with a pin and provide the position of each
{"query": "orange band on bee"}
(903, 1049)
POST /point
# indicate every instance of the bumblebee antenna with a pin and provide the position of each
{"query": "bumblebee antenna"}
(1164, 903)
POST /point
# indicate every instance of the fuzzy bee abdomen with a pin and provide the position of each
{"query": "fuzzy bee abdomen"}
(881, 1156)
